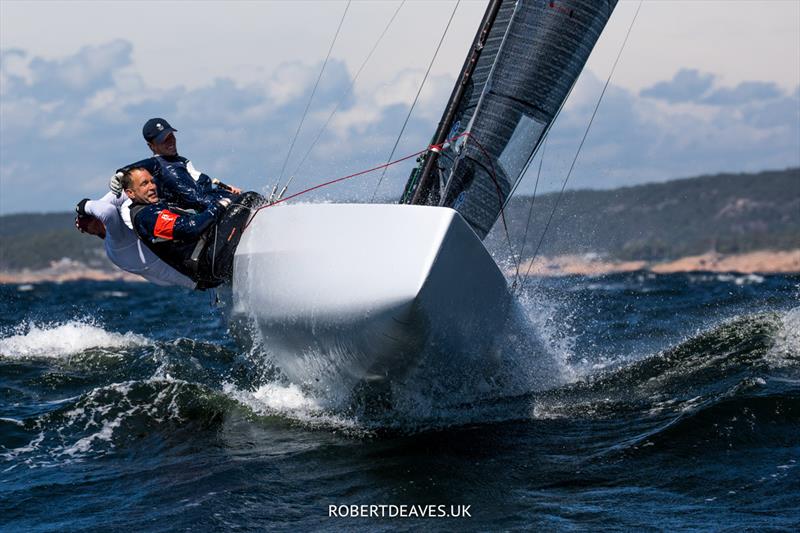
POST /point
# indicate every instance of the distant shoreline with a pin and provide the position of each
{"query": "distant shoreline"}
(38, 276)
(761, 262)
(63, 271)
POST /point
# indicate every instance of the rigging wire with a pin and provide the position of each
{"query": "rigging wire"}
(313, 92)
(350, 176)
(333, 181)
(349, 89)
(416, 98)
(492, 174)
(530, 214)
(580, 146)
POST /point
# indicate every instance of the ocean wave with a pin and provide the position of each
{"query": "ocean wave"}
(64, 339)
(748, 415)
(290, 402)
(106, 417)
(702, 367)
(728, 362)
(736, 279)
(727, 387)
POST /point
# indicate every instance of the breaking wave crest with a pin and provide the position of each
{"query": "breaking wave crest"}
(108, 417)
(64, 339)
(725, 386)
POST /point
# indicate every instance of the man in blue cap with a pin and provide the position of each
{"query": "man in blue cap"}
(177, 179)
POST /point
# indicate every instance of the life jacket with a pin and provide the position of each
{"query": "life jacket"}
(209, 261)
(177, 179)
(183, 257)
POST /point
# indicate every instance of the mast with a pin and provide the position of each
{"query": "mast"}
(424, 184)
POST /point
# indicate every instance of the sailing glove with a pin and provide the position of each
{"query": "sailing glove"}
(115, 184)
(81, 207)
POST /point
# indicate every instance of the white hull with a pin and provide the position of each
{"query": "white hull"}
(360, 291)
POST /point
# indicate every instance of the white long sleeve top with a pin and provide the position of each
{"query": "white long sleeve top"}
(124, 248)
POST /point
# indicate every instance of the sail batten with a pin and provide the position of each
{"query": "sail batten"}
(531, 59)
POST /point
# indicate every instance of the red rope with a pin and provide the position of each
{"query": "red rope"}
(337, 180)
(433, 147)
(494, 179)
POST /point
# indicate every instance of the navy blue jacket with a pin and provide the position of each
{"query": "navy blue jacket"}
(176, 185)
(173, 233)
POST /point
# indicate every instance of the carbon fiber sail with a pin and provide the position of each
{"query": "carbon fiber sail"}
(523, 64)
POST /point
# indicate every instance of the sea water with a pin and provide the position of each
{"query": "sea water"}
(676, 405)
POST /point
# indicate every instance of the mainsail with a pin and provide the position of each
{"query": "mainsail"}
(523, 64)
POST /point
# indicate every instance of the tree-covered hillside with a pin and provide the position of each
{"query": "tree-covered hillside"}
(34, 240)
(727, 213)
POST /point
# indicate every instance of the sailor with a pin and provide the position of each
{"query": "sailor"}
(124, 249)
(198, 243)
(176, 178)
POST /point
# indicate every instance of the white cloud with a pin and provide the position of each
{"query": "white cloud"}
(635, 139)
(241, 132)
(687, 85)
(79, 74)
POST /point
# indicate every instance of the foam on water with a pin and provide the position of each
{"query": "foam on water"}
(747, 279)
(277, 399)
(556, 339)
(284, 398)
(443, 390)
(64, 339)
(786, 348)
(736, 279)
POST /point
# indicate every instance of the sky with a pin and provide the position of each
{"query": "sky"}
(702, 87)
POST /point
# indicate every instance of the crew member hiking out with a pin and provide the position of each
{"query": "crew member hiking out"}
(199, 243)
(123, 247)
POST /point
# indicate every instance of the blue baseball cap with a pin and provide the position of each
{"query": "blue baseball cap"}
(156, 130)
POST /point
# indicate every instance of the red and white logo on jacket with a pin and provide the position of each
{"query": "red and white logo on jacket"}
(165, 223)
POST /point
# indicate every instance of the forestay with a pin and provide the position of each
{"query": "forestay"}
(533, 54)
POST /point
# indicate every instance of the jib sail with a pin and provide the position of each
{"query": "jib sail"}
(524, 61)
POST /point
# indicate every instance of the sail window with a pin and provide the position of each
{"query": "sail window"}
(520, 145)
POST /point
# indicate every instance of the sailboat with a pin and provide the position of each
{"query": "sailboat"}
(362, 290)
